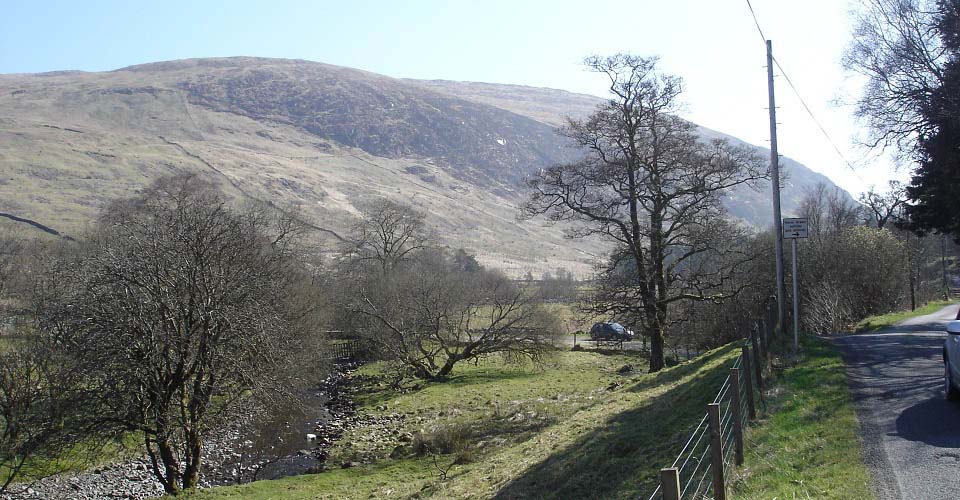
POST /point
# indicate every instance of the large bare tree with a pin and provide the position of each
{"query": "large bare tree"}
(428, 314)
(388, 232)
(897, 47)
(653, 186)
(175, 309)
(884, 207)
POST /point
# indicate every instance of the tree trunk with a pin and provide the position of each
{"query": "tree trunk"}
(171, 466)
(943, 267)
(656, 349)
(913, 291)
(447, 367)
(191, 474)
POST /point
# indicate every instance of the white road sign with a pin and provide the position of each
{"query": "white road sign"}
(795, 228)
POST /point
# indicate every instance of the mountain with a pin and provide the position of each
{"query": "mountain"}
(325, 139)
(553, 106)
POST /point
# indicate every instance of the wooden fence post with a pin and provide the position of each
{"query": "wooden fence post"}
(737, 415)
(670, 483)
(757, 366)
(748, 384)
(716, 451)
(763, 330)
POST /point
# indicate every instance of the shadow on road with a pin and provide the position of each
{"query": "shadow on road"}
(894, 366)
(935, 422)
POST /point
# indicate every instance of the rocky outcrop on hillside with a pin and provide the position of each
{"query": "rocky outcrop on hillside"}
(386, 117)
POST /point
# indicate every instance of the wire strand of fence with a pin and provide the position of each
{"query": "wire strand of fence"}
(653, 496)
(723, 390)
(707, 489)
(693, 474)
(701, 427)
(728, 449)
(695, 466)
(726, 417)
(700, 484)
(683, 469)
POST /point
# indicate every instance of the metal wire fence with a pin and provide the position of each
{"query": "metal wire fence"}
(716, 442)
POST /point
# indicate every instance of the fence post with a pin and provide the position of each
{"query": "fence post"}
(716, 451)
(737, 414)
(763, 330)
(748, 384)
(670, 483)
(757, 366)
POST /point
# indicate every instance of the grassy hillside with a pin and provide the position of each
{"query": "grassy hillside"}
(322, 138)
(574, 429)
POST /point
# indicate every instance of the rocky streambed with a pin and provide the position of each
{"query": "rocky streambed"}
(232, 456)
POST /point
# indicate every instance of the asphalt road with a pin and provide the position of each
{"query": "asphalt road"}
(911, 434)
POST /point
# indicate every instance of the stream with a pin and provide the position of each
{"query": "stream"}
(277, 446)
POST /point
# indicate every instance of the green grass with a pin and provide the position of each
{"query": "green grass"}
(78, 458)
(807, 446)
(389, 479)
(573, 429)
(874, 323)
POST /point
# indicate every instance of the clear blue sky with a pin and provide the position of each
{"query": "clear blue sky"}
(712, 44)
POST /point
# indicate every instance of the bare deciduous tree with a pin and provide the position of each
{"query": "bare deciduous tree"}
(175, 310)
(649, 183)
(428, 315)
(896, 45)
(35, 410)
(828, 211)
(885, 207)
(24, 426)
(559, 285)
(388, 232)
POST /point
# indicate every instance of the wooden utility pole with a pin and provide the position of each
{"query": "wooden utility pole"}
(775, 182)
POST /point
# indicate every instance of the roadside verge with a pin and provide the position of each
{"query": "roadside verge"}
(806, 445)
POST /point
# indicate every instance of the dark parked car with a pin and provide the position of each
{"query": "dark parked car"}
(610, 331)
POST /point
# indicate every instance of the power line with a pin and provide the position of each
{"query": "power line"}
(754, 14)
(803, 102)
(815, 120)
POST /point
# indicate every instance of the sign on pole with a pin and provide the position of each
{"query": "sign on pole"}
(795, 228)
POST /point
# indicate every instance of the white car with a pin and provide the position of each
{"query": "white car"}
(951, 361)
